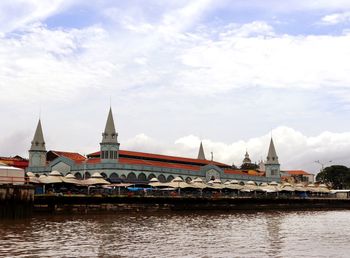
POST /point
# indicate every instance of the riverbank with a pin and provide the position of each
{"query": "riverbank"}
(87, 204)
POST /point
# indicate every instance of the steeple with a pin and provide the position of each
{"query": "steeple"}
(37, 152)
(110, 135)
(272, 166)
(38, 143)
(109, 144)
(272, 156)
(201, 154)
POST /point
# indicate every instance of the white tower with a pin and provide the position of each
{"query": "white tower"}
(109, 144)
(37, 152)
(272, 166)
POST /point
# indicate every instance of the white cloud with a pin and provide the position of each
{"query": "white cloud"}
(336, 18)
(295, 150)
(16, 14)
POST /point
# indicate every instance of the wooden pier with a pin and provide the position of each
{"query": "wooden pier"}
(16, 201)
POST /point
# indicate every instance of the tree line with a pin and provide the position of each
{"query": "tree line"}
(337, 175)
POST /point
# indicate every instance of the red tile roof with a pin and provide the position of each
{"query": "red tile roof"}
(164, 158)
(17, 161)
(234, 172)
(70, 155)
(129, 161)
(297, 172)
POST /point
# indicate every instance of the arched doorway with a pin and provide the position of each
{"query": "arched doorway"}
(188, 180)
(87, 175)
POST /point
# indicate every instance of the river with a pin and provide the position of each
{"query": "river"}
(180, 234)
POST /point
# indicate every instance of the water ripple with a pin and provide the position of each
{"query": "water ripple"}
(253, 234)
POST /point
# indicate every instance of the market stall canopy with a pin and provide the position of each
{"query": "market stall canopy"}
(287, 187)
(54, 177)
(32, 179)
(300, 188)
(250, 186)
(178, 182)
(96, 179)
(322, 188)
(154, 182)
(70, 179)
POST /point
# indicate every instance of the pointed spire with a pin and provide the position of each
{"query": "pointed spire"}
(38, 143)
(272, 156)
(201, 154)
(110, 135)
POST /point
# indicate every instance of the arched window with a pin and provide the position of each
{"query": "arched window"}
(142, 177)
(78, 175)
(169, 178)
(151, 176)
(87, 175)
(114, 177)
(162, 178)
(188, 180)
(131, 177)
(104, 175)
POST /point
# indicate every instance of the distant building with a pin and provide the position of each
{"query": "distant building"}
(16, 161)
(298, 176)
(132, 166)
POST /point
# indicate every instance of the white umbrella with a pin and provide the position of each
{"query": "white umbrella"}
(178, 182)
(155, 182)
(300, 188)
(54, 177)
(287, 187)
(70, 179)
(198, 183)
(96, 179)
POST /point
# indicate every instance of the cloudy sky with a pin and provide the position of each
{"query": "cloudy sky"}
(230, 73)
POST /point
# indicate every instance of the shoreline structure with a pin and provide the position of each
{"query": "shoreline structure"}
(118, 204)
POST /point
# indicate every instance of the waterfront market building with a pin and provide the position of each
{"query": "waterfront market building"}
(118, 165)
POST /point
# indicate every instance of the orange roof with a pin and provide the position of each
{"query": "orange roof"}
(234, 172)
(140, 155)
(297, 172)
(16, 161)
(70, 155)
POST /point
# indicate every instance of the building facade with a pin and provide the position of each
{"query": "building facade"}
(129, 166)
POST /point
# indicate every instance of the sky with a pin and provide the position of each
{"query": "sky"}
(228, 73)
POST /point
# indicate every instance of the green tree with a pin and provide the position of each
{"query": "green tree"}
(337, 175)
(249, 166)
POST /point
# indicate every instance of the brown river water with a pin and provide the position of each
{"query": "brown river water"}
(180, 234)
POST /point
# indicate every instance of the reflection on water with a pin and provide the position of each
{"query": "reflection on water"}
(259, 234)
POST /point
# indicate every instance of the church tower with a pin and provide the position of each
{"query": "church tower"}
(37, 152)
(272, 166)
(201, 154)
(109, 144)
